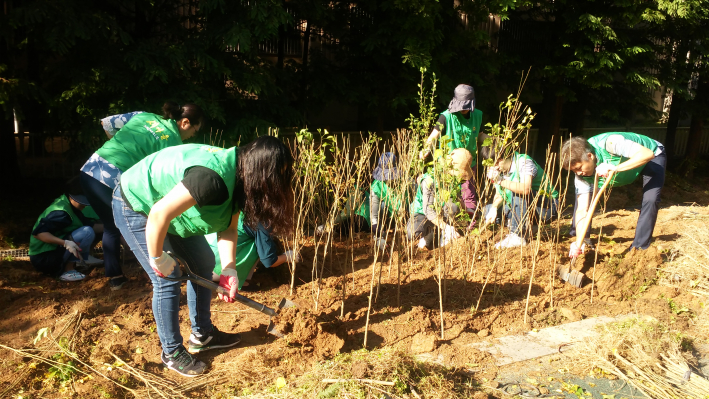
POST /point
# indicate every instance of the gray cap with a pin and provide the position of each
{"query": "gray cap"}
(463, 99)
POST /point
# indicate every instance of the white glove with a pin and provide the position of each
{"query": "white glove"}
(575, 251)
(422, 243)
(604, 168)
(450, 233)
(491, 215)
(163, 265)
(72, 247)
(320, 230)
(494, 174)
(380, 243)
(292, 256)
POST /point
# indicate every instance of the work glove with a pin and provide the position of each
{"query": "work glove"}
(490, 215)
(604, 169)
(422, 243)
(450, 233)
(576, 251)
(229, 280)
(163, 265)
(73, 248)
(320, 230)
(292, 256)
(494, 174)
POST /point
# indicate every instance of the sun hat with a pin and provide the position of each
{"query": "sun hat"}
(463, 99)
(81, 199)
(386, 168)
(460, 164)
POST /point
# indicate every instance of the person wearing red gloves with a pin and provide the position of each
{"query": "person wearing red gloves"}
(171, 200)
(627, 155)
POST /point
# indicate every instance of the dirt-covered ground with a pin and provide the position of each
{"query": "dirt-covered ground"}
(486, 296)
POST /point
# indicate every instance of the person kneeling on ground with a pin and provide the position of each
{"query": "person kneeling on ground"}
(60, 236)
(518, 179)
(356, 214)
(171, 200)
(627, 155)
(254, 246)
(384, 198)
(425, 224)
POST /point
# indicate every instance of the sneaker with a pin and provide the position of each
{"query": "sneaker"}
(91, 261)
(215, 340)
(117, 283)
(511, 241)
(183, 363)
(72, 275)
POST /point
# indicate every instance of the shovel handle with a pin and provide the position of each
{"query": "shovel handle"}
(581, 234)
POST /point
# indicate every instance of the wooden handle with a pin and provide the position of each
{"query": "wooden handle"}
(581, 234)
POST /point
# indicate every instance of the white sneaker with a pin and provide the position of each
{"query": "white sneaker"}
(72, 275)
(511, 241)
(91, 261)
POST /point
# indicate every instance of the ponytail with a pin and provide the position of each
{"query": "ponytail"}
(193, 113)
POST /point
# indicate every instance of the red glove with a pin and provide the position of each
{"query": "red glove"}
(230, 282)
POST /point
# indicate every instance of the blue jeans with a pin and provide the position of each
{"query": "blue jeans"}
(516, 212)
(52, 262)
(166, 294)
(84, 236)
(99, 196)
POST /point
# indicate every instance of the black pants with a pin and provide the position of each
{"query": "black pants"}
(100, 198)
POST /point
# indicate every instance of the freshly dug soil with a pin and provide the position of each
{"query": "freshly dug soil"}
(302, 328)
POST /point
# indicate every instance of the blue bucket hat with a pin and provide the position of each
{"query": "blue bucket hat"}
(463, 99)
(386, 168)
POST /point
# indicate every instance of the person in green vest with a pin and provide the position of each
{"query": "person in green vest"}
(384, 198)
(140, 134)
(425, 224)
(518, 180)
(627, 155)
(171, 200)
(460, 122)
(254, 246)
(60, 236)
(356, 213)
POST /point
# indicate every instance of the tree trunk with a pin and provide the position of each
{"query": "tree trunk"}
(552, 107)
(700, 106)
(672, 122)
(8, 156)
(306, 52)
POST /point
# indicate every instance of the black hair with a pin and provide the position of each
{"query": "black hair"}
(264, 191)
(193, 113)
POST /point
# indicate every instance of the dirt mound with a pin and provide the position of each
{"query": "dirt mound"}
(302, 328)
(630, 275)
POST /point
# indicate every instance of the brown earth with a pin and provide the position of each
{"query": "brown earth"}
(485, 298)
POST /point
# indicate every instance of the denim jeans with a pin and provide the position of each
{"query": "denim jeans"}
(166, 294)
(516, 212)
(99, 196)
(52, 262)
(84, 237)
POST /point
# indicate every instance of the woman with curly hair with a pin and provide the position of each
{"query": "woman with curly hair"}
(171, 200)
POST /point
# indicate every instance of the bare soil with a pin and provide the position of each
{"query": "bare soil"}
(486, 296)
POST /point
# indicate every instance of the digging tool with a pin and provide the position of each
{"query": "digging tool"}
(187, 275)
(570, 275)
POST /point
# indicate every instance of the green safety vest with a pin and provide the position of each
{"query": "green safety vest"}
(62, 203)
(246, 254)
(363, 209)
(464, 132)
(152, 178)
(515, 169)
(381, 190)
(417, 204)
(622, 178)
(144, 134)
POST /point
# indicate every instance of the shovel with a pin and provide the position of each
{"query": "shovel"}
(570, 275)
(187, 275)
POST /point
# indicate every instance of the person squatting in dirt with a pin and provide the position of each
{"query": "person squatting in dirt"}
(518, 181)
(254, 247)
(425, 225)
(171, 200)
(356, 213)
(140, 134)
(386, 197)
(627, 155)
(60, 236)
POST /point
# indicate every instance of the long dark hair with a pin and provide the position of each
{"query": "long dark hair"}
(193, 113)
(263, 189)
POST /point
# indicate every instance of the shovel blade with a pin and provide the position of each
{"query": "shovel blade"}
(271, 329)
(284, 304)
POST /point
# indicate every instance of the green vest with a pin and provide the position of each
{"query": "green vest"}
(516, 177)
(143, 135)
(62, 203)
(417, 204)
(363, 209)
(381, 190)
(622, 178)
(464, 132)
(246, 254)
(152, 178)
